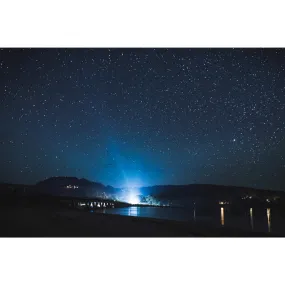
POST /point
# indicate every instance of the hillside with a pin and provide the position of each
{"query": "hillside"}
(62, 181)
(182, 194)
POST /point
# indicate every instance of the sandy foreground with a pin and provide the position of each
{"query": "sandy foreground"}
(39, 222)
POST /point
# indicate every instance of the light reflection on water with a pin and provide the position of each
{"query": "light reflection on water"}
(222, 216)
(133, 211)
(268, 219)
(268, 215)
(251, 220)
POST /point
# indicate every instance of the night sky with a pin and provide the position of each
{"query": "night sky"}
(139, 117)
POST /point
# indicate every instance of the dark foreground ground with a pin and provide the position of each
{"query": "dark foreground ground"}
(46, 222)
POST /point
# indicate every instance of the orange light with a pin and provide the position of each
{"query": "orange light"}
(222, 216)
(251, 218)
(268, 219)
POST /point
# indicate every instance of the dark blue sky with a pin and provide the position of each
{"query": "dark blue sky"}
(144, 116)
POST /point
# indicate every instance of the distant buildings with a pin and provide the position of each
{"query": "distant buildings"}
(223, 203)
(71, 187)
(246, 197)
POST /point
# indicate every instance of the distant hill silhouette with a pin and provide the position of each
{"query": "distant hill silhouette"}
(58, 186)
(61, 181)
(182, 194)
(209, 190)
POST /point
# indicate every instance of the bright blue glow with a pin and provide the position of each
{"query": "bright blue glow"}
(133, 199)
(132, 196)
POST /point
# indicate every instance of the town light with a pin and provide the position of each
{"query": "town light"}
(132, 195)
(133, 199)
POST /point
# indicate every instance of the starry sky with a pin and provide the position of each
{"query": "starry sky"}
(139, 117)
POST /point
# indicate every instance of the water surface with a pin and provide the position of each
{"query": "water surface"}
(257, 221)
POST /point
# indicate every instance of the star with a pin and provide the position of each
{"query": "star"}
(195, 115)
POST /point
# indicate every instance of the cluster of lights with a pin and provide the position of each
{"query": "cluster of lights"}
(99, 205)
(132, 195)
(223, 202)
(71, 186)
(246, 197)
